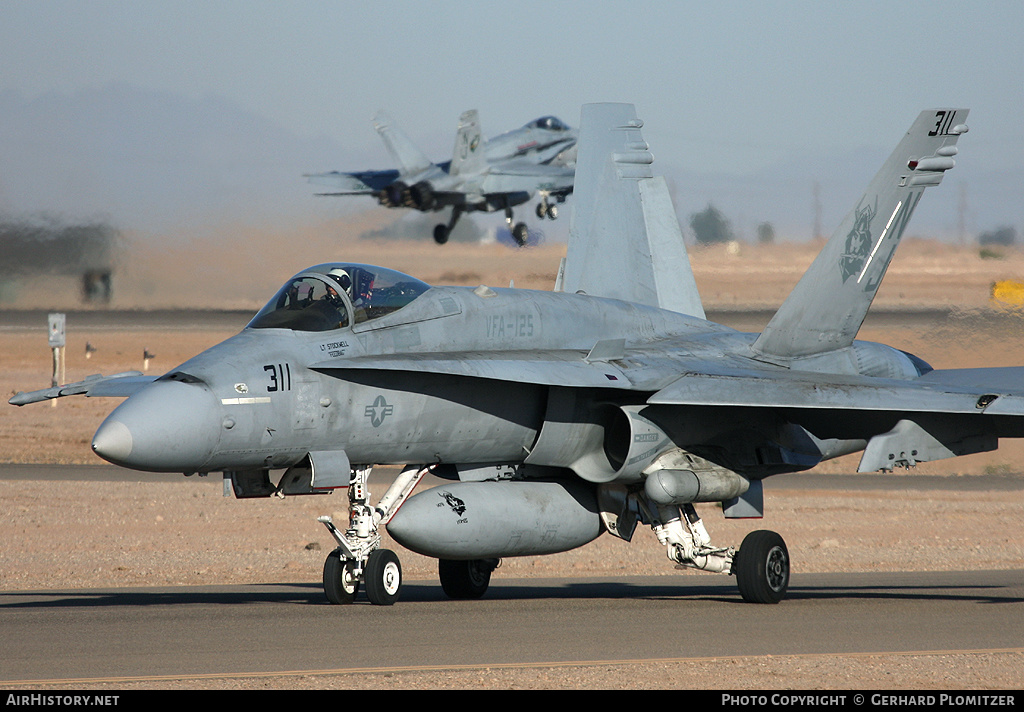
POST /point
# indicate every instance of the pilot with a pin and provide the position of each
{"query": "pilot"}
(343, 279)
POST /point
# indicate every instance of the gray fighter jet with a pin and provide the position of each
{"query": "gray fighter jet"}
(557, 417)
(486, 176)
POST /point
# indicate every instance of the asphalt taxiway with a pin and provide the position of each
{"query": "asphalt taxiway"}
(88, 636)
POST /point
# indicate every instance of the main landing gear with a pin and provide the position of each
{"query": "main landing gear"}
(761, 565)
(463, 580)
(547, 210)
(359, 558)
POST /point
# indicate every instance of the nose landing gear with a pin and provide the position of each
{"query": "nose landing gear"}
(359, 558)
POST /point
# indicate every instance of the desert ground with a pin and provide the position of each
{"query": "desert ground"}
(937, 302)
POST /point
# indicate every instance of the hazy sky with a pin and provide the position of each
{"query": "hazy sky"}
(722, 86)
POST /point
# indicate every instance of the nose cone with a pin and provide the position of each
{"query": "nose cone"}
(168, 426)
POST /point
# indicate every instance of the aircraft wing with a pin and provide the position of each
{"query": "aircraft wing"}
(356, 183)
(707, 382)
(949, 392)
(120, 385)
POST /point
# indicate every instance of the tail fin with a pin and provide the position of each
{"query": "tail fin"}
(624, 239)
(468, 155)
(828, 305)
(409, 158)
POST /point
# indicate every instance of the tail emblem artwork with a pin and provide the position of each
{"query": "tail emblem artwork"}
(611, 402)
(858, 243)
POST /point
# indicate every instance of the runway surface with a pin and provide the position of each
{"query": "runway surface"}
(130, 634)
(91, 636)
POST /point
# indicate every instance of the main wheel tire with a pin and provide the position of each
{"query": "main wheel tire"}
(340, 582)
(441, 234)
(463, 580)
(520, 233)
(383, 577)
(762, 567)
(541, 210)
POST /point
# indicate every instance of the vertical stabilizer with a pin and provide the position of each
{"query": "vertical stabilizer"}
(468, 155)
(624, 238)
(828, 305)
(403, 151)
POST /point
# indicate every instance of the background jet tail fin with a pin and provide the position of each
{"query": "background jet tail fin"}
(403, 151)
(828, 305)
(624, 237)
(468, 154)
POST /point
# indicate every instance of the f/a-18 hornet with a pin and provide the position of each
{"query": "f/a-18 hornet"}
(486, 176)
(556, 417)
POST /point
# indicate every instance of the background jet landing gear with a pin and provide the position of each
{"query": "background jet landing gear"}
(358, 558)
(519, 231)
(520, 234)
(761, 565)
(442, 232)
(547, 210)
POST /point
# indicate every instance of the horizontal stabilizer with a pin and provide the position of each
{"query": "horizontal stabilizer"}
(405, 153)
(358, 183)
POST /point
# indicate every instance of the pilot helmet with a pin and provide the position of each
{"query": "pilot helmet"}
(341, 277)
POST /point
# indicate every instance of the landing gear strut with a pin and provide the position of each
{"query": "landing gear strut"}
(761, 565)
(442, 232)
(519, 231)
(359, 558)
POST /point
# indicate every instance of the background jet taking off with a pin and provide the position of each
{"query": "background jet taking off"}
(497, 174)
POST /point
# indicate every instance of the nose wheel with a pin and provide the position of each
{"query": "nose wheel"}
(383, 577)
(341, 578)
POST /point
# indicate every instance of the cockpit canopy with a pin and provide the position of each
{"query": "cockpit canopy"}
(551, 123)
(337, 295)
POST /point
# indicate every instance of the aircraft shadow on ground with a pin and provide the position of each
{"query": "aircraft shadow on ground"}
(422, 592)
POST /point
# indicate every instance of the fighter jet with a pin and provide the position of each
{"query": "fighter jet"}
(486, 176)
(558, 417)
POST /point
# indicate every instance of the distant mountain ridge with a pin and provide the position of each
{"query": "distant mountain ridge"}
(152, 161)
